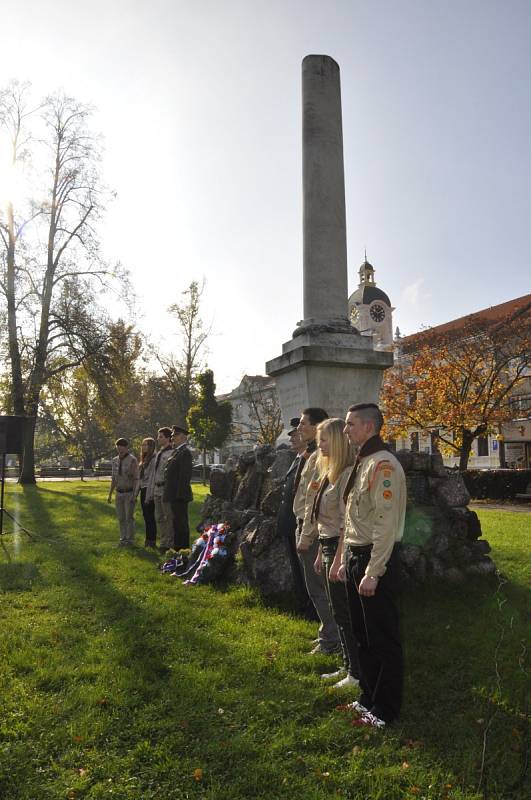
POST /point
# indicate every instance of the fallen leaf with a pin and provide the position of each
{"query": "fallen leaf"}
(405, 765)
(198, 774)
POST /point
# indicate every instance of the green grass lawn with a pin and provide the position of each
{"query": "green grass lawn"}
(117, 682)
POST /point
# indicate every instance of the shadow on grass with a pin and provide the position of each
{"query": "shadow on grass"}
(449, 651)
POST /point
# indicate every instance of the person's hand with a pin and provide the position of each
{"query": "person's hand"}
(368, 585)
(318, 564)
(333, 575)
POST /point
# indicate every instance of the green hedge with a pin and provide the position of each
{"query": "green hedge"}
(496, 484)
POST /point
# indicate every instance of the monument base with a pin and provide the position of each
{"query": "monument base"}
(328, 369)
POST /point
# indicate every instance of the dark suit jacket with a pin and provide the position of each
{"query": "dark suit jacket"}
(177, 477)
(286, 522)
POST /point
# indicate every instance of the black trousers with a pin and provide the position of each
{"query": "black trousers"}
(338, 600)
(181, 528)
(148, 512)
(375, 624)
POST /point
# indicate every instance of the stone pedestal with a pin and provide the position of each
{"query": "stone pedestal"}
(330, 370)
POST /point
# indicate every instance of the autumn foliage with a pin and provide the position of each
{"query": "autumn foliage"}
(457, 383)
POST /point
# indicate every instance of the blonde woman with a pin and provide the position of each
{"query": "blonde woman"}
(334, 464)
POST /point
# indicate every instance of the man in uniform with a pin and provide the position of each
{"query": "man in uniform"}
(177, 490)
(287, 523)
(305, 487)
(375, 498)
(124, 477)
(163, 515)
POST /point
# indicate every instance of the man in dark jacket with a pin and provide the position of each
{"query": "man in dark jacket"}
(287, 524)
(177, 489)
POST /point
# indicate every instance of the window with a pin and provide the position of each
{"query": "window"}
(520, 404)
(483, 445)
(415, 441)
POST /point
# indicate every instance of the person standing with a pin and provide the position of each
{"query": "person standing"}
(145, 477)
(334, 464)
(375, 498)
(163, 515)
(305, 487)
(177, 486)
(287, 523)
(124, 478)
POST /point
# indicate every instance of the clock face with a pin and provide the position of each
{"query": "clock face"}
(377, 312)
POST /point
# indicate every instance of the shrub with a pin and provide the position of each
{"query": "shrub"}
(496, 484)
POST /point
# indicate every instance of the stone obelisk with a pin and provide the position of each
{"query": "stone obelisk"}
(323, 184)
(327, 363)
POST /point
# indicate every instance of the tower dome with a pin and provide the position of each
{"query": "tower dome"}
(370, 309)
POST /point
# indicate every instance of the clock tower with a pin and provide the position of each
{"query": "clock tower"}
(370, 309)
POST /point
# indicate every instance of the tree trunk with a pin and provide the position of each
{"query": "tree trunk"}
(204, 466)
(464, 455)
(27, 472)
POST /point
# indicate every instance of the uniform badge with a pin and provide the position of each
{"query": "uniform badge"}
(387, 483)
(387, 494)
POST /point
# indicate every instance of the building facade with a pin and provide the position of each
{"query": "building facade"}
(510, 445)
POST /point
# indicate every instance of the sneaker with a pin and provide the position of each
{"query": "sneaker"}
(320, 650)
(371, 720)
(346, 682)
(326, 676)
(357, 706)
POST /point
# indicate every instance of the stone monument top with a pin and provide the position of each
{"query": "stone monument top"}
(327, 363)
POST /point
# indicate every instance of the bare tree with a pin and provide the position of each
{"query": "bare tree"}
(264, 420)
(52, 274)
(182, 370)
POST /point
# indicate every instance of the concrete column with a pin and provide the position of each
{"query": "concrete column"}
(325, 243)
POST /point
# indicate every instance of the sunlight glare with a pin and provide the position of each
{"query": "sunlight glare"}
(12, 179)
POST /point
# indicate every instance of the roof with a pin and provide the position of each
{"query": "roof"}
(366, 294)
(486, 315)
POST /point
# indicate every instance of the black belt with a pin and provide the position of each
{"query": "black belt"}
(160, 484)
(124, 491)
(328, 539)
(359, 549)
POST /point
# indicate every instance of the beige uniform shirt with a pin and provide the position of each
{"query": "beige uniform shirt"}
(308, 485)
(158, 472)
(332, 507)
(125, 477)
(376, 508)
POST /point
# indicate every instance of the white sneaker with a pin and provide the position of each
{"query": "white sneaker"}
(326, 676)
(355, 706)
(371, 720)
(347, 681)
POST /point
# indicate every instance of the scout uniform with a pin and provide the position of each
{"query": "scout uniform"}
(329, 513)
(306, 486)
(124, 474)
(374, 524)
(163, 515)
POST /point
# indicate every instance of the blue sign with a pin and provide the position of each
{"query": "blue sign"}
(494, 444)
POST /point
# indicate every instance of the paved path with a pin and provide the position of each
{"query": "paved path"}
(523, 508)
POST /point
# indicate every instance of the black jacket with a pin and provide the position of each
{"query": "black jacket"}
(286, 522)
(177, 477)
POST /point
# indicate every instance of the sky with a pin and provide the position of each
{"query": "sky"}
(199, 104)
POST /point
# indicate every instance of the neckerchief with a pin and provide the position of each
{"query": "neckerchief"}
(311, 448)
(120, 459)
(168, 447)
(372, 445)
(317, 499)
